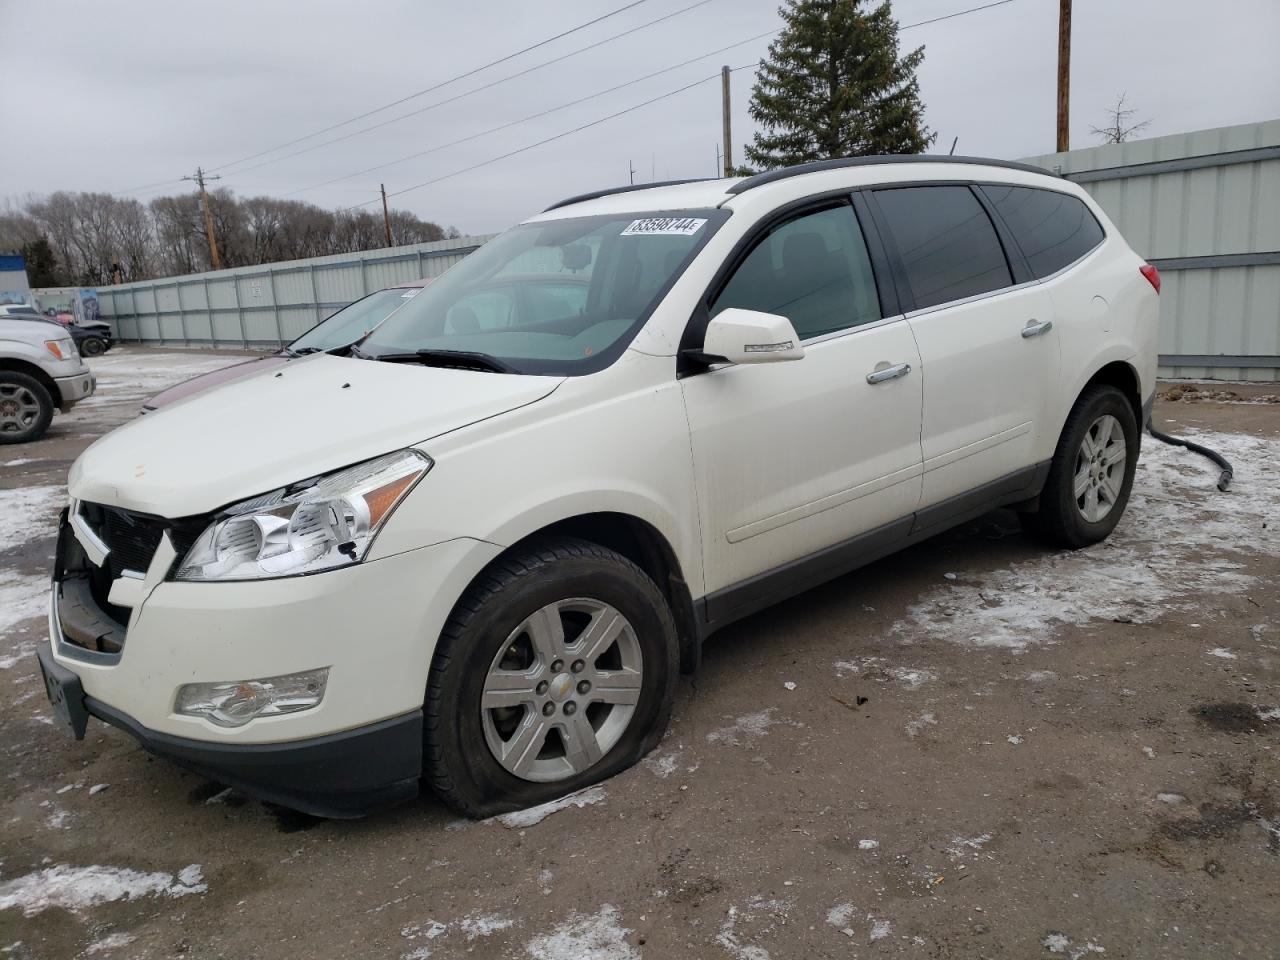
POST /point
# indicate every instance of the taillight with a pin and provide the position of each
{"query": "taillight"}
(1152, 275)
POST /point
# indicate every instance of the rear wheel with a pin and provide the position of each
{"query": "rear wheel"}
(1092, 471)
(93, 346)
(25, 407)
(556, 671)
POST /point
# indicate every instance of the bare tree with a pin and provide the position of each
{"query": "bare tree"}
(1119, 128)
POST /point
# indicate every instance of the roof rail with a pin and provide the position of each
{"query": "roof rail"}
(597, 194)
(760, 179)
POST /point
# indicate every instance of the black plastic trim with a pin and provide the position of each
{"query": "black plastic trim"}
(342, 775)
(629, 188)
(722, 607)
(816, 166)
(1014, 256)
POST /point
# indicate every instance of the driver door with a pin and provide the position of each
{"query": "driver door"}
(800, 465)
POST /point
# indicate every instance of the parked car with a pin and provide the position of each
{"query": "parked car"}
(335, 332)
(92, 340)
(476, 555)
(40, 369)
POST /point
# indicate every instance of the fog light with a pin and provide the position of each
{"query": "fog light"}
(234, 703)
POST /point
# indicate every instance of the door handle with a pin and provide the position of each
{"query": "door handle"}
(1036, 327)
(889, 373)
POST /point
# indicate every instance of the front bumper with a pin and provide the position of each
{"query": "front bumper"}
(71, 390)
(341, 775)
(373, 624)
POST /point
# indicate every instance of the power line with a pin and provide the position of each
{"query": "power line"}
(437, 86)
(534, 116)
(558, 136)
(958, 13)
(460, 96)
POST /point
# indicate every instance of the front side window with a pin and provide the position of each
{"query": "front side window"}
(1052, 229)
(560, 297)
(813, 270)
(945, 241)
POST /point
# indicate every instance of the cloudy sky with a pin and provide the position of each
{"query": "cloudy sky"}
(129, 96)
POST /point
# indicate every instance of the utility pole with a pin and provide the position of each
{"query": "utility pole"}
(1064, 73)
(200, 178)
(386, 217)
(632, 167)
(724, 107)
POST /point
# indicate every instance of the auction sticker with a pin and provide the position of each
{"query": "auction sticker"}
(664, 226)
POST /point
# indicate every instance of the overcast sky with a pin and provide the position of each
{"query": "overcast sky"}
(116, 96)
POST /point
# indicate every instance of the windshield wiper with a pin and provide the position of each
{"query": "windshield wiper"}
(464, 359)
(306, 350)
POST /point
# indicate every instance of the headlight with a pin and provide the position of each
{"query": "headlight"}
(61, 349)
(328, 522)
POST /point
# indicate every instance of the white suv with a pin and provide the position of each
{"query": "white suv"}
(475, 550)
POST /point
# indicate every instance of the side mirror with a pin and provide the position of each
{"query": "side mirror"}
(749, 336)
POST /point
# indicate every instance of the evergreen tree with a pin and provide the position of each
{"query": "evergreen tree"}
(42, 265)
(834, 86)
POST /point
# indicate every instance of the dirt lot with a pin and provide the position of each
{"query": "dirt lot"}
(975, 749)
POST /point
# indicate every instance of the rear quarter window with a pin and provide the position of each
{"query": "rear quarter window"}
(1052, 229)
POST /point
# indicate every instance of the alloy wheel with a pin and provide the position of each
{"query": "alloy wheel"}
(19, 408)
(562, 690)
(1100, 466)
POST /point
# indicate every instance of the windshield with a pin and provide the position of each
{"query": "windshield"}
(354, 320)
(561, 297)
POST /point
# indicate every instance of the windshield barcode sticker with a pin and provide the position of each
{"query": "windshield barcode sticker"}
(664, 226)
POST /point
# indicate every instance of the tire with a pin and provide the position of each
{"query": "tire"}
(490, 640)
(1101, 416)
(25, 408)
(93, 347)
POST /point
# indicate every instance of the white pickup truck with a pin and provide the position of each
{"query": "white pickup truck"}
(40, 369)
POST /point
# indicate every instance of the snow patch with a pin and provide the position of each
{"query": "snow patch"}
(749, 726)
(960, 846)
(535, 815)
(1042, 676)
(876, 668)
(585, 937)
(78, 888)
(1178, 538)
(868, 844)
(1223, 653)
(113, 941)
(1171, 798)
(840, 916)
(483, 925)
(29, 513)
(914, 727)
(663, 766)
(879, 930)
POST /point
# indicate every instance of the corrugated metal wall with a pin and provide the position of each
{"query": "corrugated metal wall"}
(267, 305)
(1204, 207)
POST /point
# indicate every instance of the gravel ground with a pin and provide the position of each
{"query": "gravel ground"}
(976, 748)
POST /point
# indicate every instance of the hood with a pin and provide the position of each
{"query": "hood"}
(282, 425)
(213, 378)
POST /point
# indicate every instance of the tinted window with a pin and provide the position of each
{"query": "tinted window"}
(946, 242)
(813, 270)
(1053, 229)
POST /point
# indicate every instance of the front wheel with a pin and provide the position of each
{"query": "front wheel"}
(93, 347)
(556, 670)
(25, 407)
(1092, 471)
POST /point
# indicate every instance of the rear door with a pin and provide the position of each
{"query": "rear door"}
(793, 458)
(989, 353)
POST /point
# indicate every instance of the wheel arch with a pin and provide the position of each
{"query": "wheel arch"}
(32, 370)
(644, 545)
(1124, 377)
